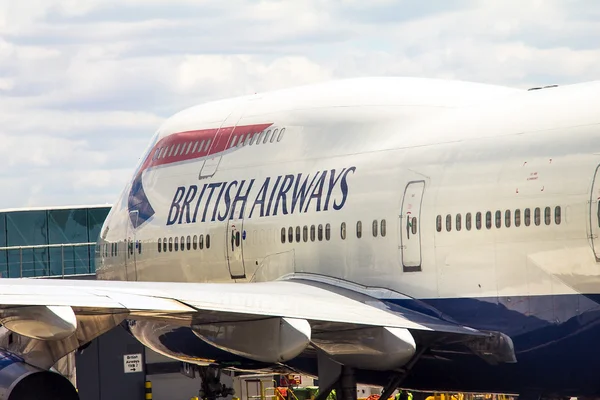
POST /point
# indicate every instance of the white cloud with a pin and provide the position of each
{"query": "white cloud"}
(85, 83)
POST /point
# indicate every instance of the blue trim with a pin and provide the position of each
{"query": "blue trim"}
(138, 201)
(7, 359)
(556, 338)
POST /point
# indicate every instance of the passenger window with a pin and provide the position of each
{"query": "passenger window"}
(527, 217)
(208, 241)
(201, 242)
(159, 245)
(247, 141)
(176, 243)
(201, 147)
(281, 132)
(478, 220)
(170, 244)
(383, 228)
(547, 216)
(488, 220)
(282, 235)
(458, 222)
(206, 149)
(164, 245)
(298, 234)
(320, 232)
(438, 223)
(252, 139)
(448, 223)
(237, 238)
(177, 149)
(374, 228)
(359, 229)
(537, 216)
(260, 137)
(195, 242)
(327, 231)
(498, 219)
(313, 231)
(557, 215)
(233, 140)
(189, 243)
(171, 150)
(195, 146)
(267, 137)
(517, 217)
(274, 135)
(343, 230)
(139, 247)
(241, 141)
(189, 148)
(468, 221)
(507, 218)
(413, 225)
(291, 235)
(305, 233)
(182, 243)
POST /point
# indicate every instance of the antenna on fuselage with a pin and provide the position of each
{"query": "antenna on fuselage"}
(541, 87)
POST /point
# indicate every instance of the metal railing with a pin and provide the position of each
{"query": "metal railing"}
(68, 258)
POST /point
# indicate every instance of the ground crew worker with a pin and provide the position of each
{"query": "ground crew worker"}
(403, 395)
(331, 395)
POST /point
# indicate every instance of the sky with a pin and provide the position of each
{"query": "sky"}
(84, 84)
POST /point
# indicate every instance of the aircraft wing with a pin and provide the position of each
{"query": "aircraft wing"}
(283, 317)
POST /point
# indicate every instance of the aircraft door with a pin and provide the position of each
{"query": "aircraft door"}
(132, 247)
(410, 226)
(220, 141)
(234, 242)
(595, 214)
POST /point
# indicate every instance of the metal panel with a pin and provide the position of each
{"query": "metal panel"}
(410, 230)
(100, 372)
(221, 141)
(132, 247)
(235, 248)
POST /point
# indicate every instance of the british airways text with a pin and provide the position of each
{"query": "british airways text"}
(249, 198)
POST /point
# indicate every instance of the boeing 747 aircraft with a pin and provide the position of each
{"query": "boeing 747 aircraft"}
(414, 233)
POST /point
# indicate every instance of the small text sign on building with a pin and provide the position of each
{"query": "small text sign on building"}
(132, 363)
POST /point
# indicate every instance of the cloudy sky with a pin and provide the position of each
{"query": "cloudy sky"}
(85, 83)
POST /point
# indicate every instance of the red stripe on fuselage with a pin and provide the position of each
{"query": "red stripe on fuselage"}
(190, 145)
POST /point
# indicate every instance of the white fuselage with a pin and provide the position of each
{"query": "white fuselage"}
(411, 155)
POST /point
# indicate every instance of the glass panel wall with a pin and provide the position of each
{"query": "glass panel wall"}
(3, 253)
(67, 227)
(27, 228)
(49, 242)
(95, 219)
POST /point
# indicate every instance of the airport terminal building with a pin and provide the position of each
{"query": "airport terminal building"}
(60, 241)
(57, 242)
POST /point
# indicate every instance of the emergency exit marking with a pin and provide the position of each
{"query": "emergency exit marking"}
(132, 363)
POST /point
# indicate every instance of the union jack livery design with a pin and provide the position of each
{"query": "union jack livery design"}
(195, 145)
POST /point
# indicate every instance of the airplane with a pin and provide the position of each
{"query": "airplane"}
(427, 234)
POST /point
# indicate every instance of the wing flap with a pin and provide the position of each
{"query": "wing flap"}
(326, 307)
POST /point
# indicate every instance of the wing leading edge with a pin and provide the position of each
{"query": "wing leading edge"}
(269, 321)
